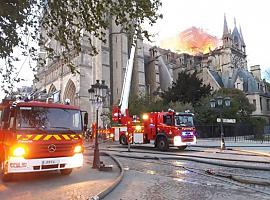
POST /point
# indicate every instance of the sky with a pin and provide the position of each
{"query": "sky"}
(252, 16)
(179, 15)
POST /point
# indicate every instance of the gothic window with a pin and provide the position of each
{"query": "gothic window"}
(268, 104)
(70, 91)
(254, 102)
(261, 103)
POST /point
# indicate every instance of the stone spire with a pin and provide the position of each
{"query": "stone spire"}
(225, 27)
(241, 35)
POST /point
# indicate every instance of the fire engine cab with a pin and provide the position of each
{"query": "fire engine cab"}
(39, 136)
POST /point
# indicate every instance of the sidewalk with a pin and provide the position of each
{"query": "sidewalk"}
(101, 182)
(239, 145)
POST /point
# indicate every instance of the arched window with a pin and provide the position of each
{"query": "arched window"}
(52, 89)
(236, 41)
(70, 92)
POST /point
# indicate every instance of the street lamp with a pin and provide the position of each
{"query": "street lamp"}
(98, 93)
(219, 102)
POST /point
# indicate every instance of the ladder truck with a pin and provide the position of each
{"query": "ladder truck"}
(162, 129)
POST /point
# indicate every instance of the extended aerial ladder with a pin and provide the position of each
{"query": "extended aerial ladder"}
(120, 113)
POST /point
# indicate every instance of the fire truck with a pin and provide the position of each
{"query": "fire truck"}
(40, 136)
(163, 129)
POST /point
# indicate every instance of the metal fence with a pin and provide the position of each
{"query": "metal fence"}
(267, 130)
(230, 130)
(234, 132)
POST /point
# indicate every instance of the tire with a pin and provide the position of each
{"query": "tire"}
(182, 147)
(123, 140)
(162, 143)
(65, 172)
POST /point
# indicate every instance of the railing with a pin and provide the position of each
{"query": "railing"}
(245, 138)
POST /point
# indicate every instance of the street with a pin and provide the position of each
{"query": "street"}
(199, 172)
(181, 179)
(81, 184)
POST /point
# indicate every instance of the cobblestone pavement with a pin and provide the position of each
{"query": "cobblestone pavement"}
(152, 180)
(81, 184)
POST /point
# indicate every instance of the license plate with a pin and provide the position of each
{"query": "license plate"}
(50, 162)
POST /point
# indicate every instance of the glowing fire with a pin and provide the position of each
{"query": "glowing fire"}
(192, 41)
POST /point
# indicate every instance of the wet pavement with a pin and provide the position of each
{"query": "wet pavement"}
(146, 179)
(184, 179)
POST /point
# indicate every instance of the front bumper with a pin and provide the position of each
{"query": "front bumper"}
(19, 164)
(177, 141)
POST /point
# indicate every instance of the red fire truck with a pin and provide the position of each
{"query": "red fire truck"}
(40, 136)
(163, 129)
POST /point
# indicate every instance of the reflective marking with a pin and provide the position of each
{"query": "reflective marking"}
(57, 137)
(66, 137)
(19, 136)
(27, 137)
(47, 137)
(37, 137)
(74, 137)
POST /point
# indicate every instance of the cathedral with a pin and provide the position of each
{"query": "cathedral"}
(224, 66)
(154, 70)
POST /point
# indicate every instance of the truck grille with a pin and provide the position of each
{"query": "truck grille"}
(42, 150)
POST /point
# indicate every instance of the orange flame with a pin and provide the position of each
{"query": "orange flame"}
(192, 41)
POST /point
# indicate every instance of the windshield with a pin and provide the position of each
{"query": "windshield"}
(183, 120)
(48, 118)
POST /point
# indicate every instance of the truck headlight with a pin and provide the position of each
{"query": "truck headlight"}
(177, 141)
(78, 149)
(19, 152)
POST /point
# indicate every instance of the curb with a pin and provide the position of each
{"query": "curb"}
(105, 192)
(255, 152)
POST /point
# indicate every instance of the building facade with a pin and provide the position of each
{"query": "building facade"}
(56, 79)
(154, 70)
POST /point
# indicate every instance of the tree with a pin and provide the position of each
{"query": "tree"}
(65, 22)
(240, 108)
(187, 89)
(139, 104)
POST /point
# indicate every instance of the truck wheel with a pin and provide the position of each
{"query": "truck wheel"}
(65, 171)
(162, 144)
(182, 147)
(5, 177)
(123, 140)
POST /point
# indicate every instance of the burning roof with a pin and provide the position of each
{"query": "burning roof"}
(192, 41)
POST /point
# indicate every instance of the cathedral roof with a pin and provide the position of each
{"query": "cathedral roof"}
(216, 77)
(249, 81)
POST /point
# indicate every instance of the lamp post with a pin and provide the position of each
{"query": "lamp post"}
(98, 93)
(219, 103)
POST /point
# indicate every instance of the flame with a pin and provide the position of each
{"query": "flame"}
(192, 41)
